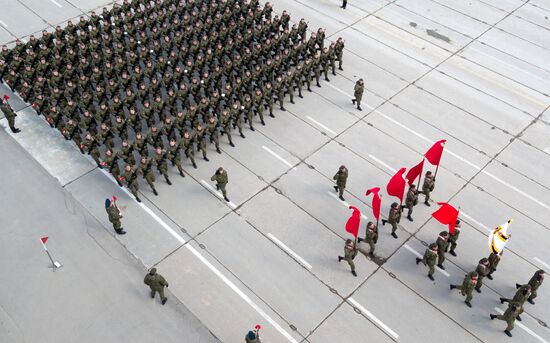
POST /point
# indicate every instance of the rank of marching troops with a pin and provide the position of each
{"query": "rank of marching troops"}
(148, 84)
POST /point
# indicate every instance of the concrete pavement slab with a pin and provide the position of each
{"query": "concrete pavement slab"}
(445, 16)
(544, 4)
(479, 10)
(52, 11)
(495, 85)
(434, 32)
(331, 9)
(88, 5)
(402, 41)
(10, 19)
(304, 139)
(527, 197)
(486, 107)
(534, 14)
(507, 5)
(525, 30)
(452, 121)
(509, 66)
(291, 291)
(296, 232)
(528, 161)
(396, 124)
(49, 148)
(347, 325)
(5, 36)
(383, 56)
(370, 6)
(537, 136)
(517, 47)
(400, 308)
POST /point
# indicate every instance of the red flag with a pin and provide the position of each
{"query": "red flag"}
(376, 201)
(446, 215)
(44, 239)
(413, 173)
(396, 186)
(433, 155)
(352, 225)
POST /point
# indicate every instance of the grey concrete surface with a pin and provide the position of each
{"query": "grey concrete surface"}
(475, 73)
(97, 295)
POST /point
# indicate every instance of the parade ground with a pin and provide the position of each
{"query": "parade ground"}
(475, 73)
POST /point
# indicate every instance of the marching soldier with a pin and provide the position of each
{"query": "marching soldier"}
(339, 51)
(90, 145)
(393, 218)
(341, 178)
(350, 251)
(430, 255)
(114, 216)
(482, 271)
(522, 295)
(173, 154)
(443, 246)
(9, 114)
(494, 260)
(221, 179)
(253, 336)
(111, 162)
(467, 287)
(157, 283)
(453, 237)
(411, 201)
(535, 282)
(371, 237)
(358, 93)
(130, 177)
(187, 143)
(509, 316)
(146, 172)
(160, 162)
(428, 186)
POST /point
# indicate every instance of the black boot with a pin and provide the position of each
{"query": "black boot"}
(502, 300)
(394, 235)
(359, 108)
(452, 252)
(353, 101)
(508, 333)
(206, 159)
(478, 290)
(440, 266)
(262, 122)
(155, 192)
(120, 231)
(418, 260)
(489, 276)
(283, 109)
(492, 316)
(359, 239)
(194, 165)
(341, 198)
(353, 273)
(226, 199)
(168, 182)
(271, 115)
(336, 188)
(218, 150)
(468, 304)
(231, 143)
(164, 300)
(427, 203)
(292, 102)
(242, 135)
(518, 318)
(318, 85)
(531, 301)
(138, 199)
(430, 276)
(410, 218)
(384, 221)
(253, 129)
(452, 287)
(340, 258)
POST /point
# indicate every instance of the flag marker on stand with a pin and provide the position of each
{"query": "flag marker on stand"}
(55, 265)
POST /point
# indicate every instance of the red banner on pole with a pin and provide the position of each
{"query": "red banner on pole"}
(414, 172)
(446, 215)
(376, 201)
(433, 155)
(352, 225)
(396, 186)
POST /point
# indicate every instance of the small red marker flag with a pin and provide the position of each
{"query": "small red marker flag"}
(44, 239)
(446, 215)
(396, 186)
(376, 201)
(433, 155)
(352, 225)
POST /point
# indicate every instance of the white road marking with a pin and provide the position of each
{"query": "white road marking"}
(148, 210)
(528, 196)
(218, 194)
(321, 125)
(338, 89)
(211, 267)
(278, 157)
(288, 250)
(345, 203)
(377, 321)
(382, 163)
(56, 3)
(542, 262)
(420, 256)
(3, 24)
(547, 150)
(524, 327)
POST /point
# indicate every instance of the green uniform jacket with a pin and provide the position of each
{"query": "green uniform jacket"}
(221, 179)
(467, 284)
(428, 185)
(412, 198)
(8, 112)
(534, 283)
(341, 178)
(442, 245)
(429, 257)
(156, 282)
(113, 213)
(358, 91)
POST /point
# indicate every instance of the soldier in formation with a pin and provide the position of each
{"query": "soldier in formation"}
(535, 282)
(149, 73)
(429, 258)
(371, 237)
(393, 218)
(467, 287)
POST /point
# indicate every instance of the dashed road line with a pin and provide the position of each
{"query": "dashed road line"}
(546, 265)
(288, 250)
(377, 321)
(278, 157)
(345, 203)
(3, 24)
(382, 163)
(321, 125)
(56, 3)
(218, 194)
